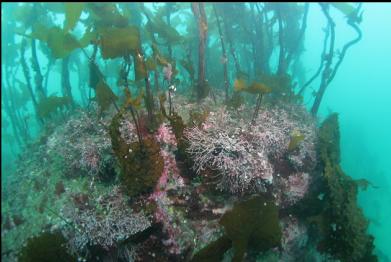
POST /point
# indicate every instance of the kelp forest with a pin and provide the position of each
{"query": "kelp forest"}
(174, 132)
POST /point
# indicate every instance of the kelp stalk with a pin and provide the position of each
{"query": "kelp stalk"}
(168, 9)
(257, 44)
(281, 58)
(322, 59)
(26, 74)
(10, 103)
(65, 82)
(231, 47)
(329, 73)
(225, 62)
(345, 48)
(156, 80)
(199, 13)
(10, 112)
(36, 68)
(136, 123)
(81, 83)
(49, 67)
(169, 101)
(300, 37)
(149, 104)
(259, 100)
(327, 70)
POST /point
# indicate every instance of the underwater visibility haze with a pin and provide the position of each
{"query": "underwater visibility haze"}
(195, 131)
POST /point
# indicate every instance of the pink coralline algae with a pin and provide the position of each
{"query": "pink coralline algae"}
(274, 131)
(106, 221)
(170, 171)
(90, 157)
(245, 156)
(221, 144)
(84, 146)
(170, 179)
(165, 135)
(297, 186)
(288, 191)
(294, 238)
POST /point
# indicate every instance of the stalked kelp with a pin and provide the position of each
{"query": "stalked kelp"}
(199, 12)
(255, 88)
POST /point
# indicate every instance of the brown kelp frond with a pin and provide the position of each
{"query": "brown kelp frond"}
(119, 42)
(104, 95)
(49, 105)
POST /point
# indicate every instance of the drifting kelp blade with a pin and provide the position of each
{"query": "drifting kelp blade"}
(87, 38)
(40, 32)
(140, 69)
(345, 8)
(61, 43)
(240, 84)
(150, 64)
(106, 15)
(51, 104)
(72, 15)
(118, 42)
(258, 88)
(104, 95)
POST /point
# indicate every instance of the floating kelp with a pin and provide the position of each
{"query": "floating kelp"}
(160, 59)
(106, 15)
(345, 8)
(49, 105)
(188, 65)
(258, 88)
(119, 42)
(88, 37)
(104, 95)
(72, 15)
(255, 87)
(60, 42)
(150, 64)
(140, 69)
(158, 26)
(240, 84)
